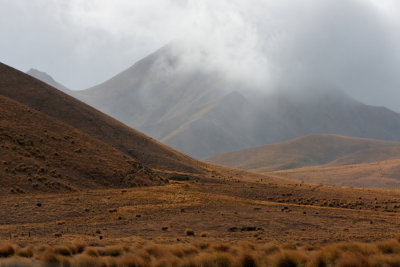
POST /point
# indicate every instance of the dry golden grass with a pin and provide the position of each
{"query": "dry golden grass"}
(222, 211)
(383, 253)
(310, 150)
(381, 174)
(323, 159)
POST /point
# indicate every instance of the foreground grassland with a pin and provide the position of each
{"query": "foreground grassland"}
(144, 253)
(199, 222)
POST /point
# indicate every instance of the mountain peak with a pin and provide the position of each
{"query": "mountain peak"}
(46, 78)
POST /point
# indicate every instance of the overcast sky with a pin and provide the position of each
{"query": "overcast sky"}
(353, 45)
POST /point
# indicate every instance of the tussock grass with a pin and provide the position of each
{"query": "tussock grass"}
(204, 254)
(6, 250)
(25, 252)
(189, 232)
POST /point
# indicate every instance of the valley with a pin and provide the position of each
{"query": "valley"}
(187, 133)
(74, 175)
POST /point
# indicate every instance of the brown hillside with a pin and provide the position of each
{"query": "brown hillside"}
(41, 154)
(44, 98)
(381, 174)
(309, 150)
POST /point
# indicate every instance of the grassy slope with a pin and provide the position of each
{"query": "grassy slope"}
(327, 159)
(307, 151)
(381, 174)
(42, 97)
(41, 154)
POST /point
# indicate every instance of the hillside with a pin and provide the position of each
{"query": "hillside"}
(35, 94)
(41, 154)
(323, 159)
(200, 112)
(380, 174)
(311, 150)
(51, 142)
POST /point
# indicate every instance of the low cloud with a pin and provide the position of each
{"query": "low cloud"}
(353, 45)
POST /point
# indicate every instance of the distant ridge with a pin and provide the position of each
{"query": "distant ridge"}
(323, 159)
(311, 150)
(379, 174)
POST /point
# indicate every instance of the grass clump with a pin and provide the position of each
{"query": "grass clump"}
(189, 232)
(7, 251)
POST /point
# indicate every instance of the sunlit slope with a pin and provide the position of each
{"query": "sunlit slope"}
(309, 150)
(381, 174)
(323, 159)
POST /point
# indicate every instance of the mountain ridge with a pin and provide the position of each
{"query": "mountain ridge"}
(166, 99)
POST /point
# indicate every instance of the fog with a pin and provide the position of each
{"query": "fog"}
(352, 45)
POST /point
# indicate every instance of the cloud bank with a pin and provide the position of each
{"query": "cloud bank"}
(353, 45)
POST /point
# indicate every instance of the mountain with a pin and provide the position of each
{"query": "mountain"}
(311, 150)
(53, 142)
(201, 112)
(46, 78)
(178, 106)
(152, 91)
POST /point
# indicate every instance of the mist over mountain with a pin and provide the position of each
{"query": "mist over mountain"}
(202, 112)
(226, 67)
(352, 45)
